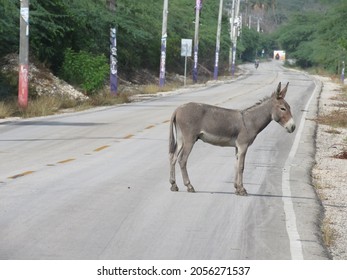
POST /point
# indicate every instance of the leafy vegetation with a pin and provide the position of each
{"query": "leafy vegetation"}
(64, 34)
(85, 69)
(316, 40)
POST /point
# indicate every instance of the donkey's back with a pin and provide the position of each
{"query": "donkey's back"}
(212, 124)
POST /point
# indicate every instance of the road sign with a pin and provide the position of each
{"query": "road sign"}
(186, 50)
(186, 47)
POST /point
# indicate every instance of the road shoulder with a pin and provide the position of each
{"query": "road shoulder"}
(330, 173)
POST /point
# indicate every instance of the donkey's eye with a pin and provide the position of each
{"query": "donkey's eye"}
(283, 109)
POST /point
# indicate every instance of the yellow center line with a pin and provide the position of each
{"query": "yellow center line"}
(101, 148)
(150, 126)
(21, 174)
(66, 160)
(128, 136)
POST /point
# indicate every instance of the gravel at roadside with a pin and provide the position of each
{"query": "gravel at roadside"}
(330, 173)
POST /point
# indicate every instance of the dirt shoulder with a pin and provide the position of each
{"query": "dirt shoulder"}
(330, 172)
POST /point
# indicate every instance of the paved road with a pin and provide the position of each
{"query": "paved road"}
(94, 184)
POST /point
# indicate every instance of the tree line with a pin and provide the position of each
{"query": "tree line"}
(60, 30)
(316, 38)
(71, 36)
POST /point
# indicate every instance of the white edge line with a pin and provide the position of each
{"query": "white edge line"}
(290, 217)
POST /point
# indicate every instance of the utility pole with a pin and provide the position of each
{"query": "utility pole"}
(234, 25)
(231, 22)
(113, 62)
(343, 72)
(163, 44)
(219, 27)
(196, 40)
(113, 52)
(258, 24)
(23, 54)
(111, 4)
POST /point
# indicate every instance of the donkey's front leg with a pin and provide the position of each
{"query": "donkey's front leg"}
(239, 167)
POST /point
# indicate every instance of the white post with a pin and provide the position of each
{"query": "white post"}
(231, 22)
(185, 68)
(163, 44)
(235, 33)
(219, 27)
(258, 25)
(196, 40)
(343, 73)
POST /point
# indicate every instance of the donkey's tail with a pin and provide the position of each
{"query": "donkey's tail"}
(172, 140)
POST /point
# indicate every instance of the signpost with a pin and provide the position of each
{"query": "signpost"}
(23, 54)
(186, 50)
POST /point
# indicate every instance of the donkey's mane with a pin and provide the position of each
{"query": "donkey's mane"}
(260, 102)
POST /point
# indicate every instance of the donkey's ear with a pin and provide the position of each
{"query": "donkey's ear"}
(277, 93)
(283, 92)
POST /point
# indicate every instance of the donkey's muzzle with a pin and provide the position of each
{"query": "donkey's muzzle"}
(290, 125)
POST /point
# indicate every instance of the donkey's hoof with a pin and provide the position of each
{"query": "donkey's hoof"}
(174, 188)
(190, 189)
(242, 192)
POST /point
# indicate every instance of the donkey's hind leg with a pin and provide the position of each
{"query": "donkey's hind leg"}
(187, 148)
(173, 160)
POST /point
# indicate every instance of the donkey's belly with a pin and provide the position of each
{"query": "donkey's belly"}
(216, 139)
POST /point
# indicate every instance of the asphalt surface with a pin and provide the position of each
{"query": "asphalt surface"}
(95, 184)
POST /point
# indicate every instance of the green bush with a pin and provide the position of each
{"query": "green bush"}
(84, 69)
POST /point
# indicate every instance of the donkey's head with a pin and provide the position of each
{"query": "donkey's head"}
(281, 110)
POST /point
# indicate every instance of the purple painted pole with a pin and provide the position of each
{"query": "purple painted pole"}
(196, 40)
(163, 44)
(113, 62)
(162, 63)
(219, 27)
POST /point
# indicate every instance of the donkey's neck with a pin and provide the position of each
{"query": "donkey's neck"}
(257, 117)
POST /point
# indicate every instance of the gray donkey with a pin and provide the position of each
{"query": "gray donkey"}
(223, 127)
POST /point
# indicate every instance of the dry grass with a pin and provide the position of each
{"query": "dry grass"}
(337, 118)
(342, 97)
(154, 88)
(106, 99)
(41, 106)
(49, 105)
(329, 234)
(5, 110)
(333, 131)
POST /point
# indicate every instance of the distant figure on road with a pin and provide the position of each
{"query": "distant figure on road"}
(256, 63)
